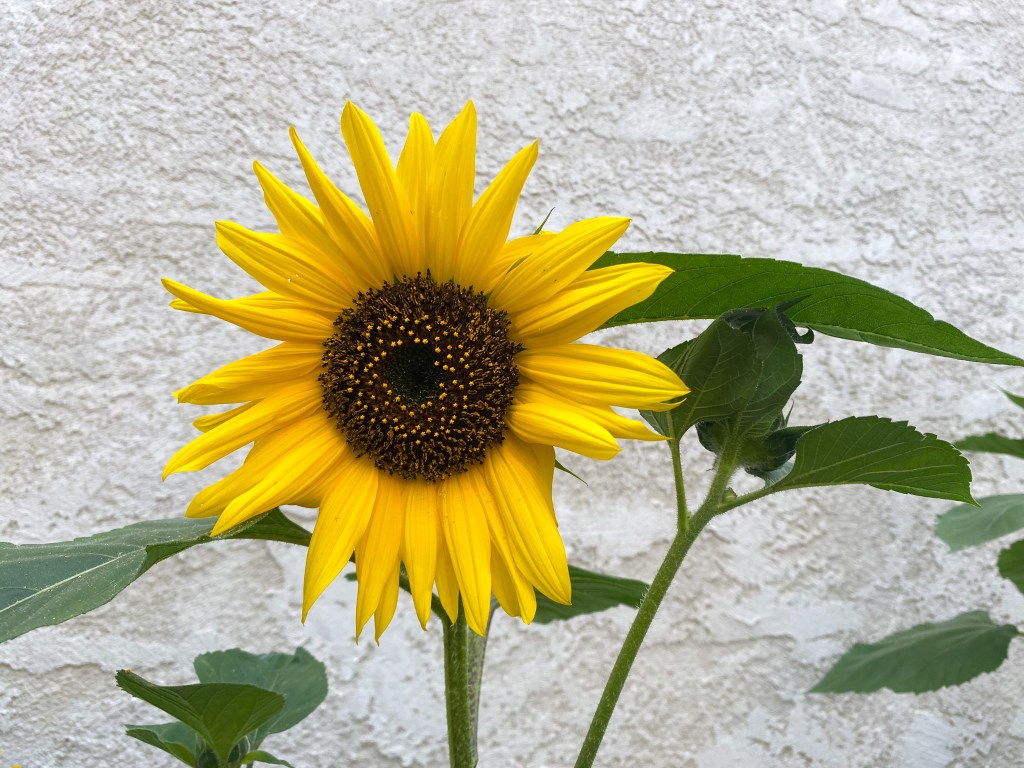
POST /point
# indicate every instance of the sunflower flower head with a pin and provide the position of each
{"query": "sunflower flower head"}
(426, 367)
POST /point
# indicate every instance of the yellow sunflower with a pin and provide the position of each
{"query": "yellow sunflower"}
(425, 370)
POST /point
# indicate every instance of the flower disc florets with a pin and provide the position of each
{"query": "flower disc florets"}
(418, 376)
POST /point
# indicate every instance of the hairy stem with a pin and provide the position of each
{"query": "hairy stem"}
(456, 693)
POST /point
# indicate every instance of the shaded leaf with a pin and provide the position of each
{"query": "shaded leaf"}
(43, 584)
(923, 658)
(591, 592)
(259, 756)
(176, 739)
(992, 442)
(299, 677)
(966, 525)
(1015, 399)
(889, 455)
(1011, 564)
(221, 713)
(705, 286)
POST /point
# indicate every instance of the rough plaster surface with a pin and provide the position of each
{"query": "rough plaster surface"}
(881, 139)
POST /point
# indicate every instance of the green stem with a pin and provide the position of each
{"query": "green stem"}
(456, 693)
(689, 529)
(683, 514)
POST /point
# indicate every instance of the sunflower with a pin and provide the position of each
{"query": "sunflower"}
(425, 370)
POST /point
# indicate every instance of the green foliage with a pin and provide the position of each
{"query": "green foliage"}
(240, 699)
(1011, 564)
(885, 454)
(220, 713)
(44, 584)
(992, 442)
(706, 286)
(923, 658)
(966, 525)
(591, 592)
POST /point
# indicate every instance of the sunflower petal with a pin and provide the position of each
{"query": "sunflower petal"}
(602, 376)
(265, 416)
(549, 424)
(210, 420)
(386, 606)
(419, 548)
(389, 207)
(377, 552)
(254, 377)
(358, 251)
(469, 543)
(520, 479)
(586, 303)
(296, 216)
(447, 583)
(281, 264)
(557, 263)
(344, 514)
(487, 227)
(415, 166)
(603, 416)
(451, 192)
(284, 325)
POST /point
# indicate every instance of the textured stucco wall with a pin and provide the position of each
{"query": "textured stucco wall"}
(880, 138)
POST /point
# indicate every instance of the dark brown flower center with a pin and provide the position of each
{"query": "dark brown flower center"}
(418, 376)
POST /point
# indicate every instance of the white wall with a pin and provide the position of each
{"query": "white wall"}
(881, 139)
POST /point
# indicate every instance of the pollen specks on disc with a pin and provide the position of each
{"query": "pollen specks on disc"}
(418, 376)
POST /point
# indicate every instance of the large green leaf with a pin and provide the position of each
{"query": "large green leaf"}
(175, 739)
(992, 442)
(1011, 564)
(889, 455)
(591, 592)
(43, 584)
(221, 713)
(923, 658)
(706, 286)
(966, 525)
(299, 677)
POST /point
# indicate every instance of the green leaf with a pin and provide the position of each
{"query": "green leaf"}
(176, 739)
(966, 525)
(705, 286)
(44, 584)
(1011, 564)
(259, 756)
(889, 455)
(221, 713)
(591, 592)
(299, 677)
(926, 657)
(992, 442)
(1015, 399)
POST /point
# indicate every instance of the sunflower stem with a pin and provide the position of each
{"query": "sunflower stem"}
(688, 530)
(461, 753)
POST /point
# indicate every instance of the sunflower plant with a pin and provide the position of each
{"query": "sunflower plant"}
(425, 367)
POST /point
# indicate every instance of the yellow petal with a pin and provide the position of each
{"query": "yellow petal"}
(513, 252)
(294, 472)
(256, 376)
(469, 544)
(602, 376)
(211, 420)
(520, 478)
(377, 553)
(603, 416)
(586, 303)
(297, 217)
(415, 167)
(550, 424)
(487, 227)
(284, 325)
(344, 514)
(265, 416)
(447, 584)
(419, 549)
(358, 251)
(389, 207)
(386, 606)
(286, 267)
(556, 264)
(451, 192)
